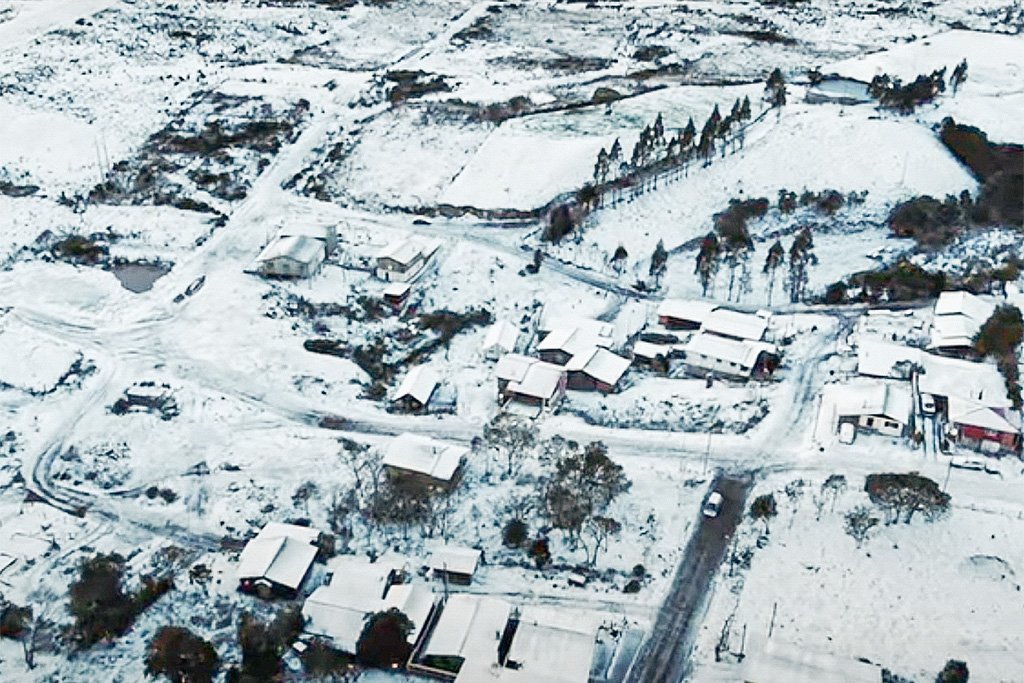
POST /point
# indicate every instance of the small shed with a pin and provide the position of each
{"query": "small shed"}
(501, 339)
(838, 90)
(396, 294)
(276, 562)
(414, 393)
(423, 459)
(454, 564)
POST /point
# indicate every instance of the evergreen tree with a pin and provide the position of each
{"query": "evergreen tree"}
(689, 133)
(659, 261)
(959, 75)
(776, 255)
(800, 258)
(659, 130)
(745, 108)
(384, 642)
(707, 262)
(601, 167)
(181, 656)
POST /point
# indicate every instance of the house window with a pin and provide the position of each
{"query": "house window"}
(891, 425)
(871, 422)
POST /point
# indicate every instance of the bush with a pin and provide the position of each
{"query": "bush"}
(632, 587)
(540, 553)
(14, 620)
(835, 293)
(906, 494)
(999, 167)
(902, 281)
(639, 571)
(264, 643)
(181, 656)
(955, 671)
(384, 641)
(999, 338)
(322, 660)
(515, 533)
(929, 221)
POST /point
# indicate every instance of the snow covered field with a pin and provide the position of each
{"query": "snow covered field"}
(188, 135)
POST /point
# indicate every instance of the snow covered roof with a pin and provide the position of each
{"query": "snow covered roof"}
(512, 367)
(958, 317)
(553, 319)
(600, 364)
(454, 559)
(553, 648)
(572, 340)
(416, 453)
(397, 289)
(743, 353)
(979, 382)
(540, 380)
(502, 335)
(324, 232)
(293, 248)
(686, 309)
(966, 412)
(406, 251)
(880, 359)
(338, 610)
(963, 303)
(470, 627)
(281, 553)
(419, 384)
(731, 323)
(888, 400)
(650, 351)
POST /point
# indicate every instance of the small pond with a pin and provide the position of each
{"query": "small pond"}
(139, 277)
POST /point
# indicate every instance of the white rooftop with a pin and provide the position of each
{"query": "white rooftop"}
(743, 353)
(600, 364)
(553, 319)
(416, 453)
(293, 248)
(512, 367)
(731, 323)
(470, 627)
(419, 383)
(454, 559)
(502, 335)
(281, 553)
(888, 400)
(877, 358)
(553, 647)
(648, 350)
(686, 309)
(541, 380)
(966, 412)
(397, 289)
(405, 251)
(572, 340)
(978, 382)
(963, 303)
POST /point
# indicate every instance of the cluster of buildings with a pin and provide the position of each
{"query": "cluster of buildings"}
(939, 391)
(456, 636)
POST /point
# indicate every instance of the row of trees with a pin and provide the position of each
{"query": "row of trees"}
(892, 93)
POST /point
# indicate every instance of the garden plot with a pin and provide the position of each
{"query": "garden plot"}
(815, 605)
(35, 363)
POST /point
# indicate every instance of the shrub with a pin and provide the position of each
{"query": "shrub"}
(929, 221)
(322, 660)
(540, 552)
(181, 656)
(902, 281)
(1000, 337)
(515, 533)
(955, 671)
(906, 494)
(14, 620)
(639, 571)
(764, 508)
(633, 586)
(384, 640)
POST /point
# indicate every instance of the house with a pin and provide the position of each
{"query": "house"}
(535, 383)
(887, 360)
(403, 260)
(883, 408)
(651, 354)
(562, 343)
(735, 325)
(600, 332)
(414, 393)
(275, 563)
(595, 369)
(422, 459)
(943, 378)
(684, 314)
(396, 294)
(977, 426)
(338, 610)
(836, 89)
(477, 638)
(327, 234)
(709, 354)
(958, 316)
(454, 564)
(501, 339)
(294, 256)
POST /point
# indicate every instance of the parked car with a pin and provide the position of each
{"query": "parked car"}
(713, 505)
(847, 432)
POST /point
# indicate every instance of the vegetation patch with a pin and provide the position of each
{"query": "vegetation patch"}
(1000, 338)
(408, 85)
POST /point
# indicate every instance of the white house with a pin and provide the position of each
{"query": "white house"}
(294, 256)
(403, 260)
(501, 339)
(416, 389)
(958, 316)
(735, 325)
(277, 560)
(881, 407)
(454, 564)
(562, 343)
(540, 384)
(709, 354)
(884, 359)
(424, 458)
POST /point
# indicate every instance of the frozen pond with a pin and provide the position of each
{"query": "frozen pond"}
(139, 277)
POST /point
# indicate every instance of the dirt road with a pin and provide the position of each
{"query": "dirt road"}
(664, 657)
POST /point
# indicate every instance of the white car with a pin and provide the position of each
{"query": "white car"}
(713, 505)
(847, 432)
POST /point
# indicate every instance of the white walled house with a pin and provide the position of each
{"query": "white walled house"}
(277, 560)
(709, 354)
(877, 407)
(294, 256)
(403, 260)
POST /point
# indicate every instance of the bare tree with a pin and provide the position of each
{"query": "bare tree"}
(513, 437)
(859, 523)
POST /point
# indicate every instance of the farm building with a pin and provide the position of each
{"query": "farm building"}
(596, 369)
(501, 339)
(337, 611)
(735, 325)
(708, 354)
(294, 256)
(277, 560)
(977, 426)
(562, 343)
(414, 393)
(958, 316)
(882, 408)
(684, 314)
(454, 564)
(422, 459)
(838, 90)
(403, 260)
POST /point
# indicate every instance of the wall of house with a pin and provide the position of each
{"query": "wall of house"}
(978, 434)
(698, 364)
(677, 324)
(557, 357)
(881, 425)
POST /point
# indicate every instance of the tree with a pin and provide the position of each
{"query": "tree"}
(600, 529)
(800, 258)
(905, 494)
(515, 533)
(513, 437)
(688, 135)
(560, 223)
(659, 130)
(584, 483)
(955, 671)
(384, 642)
(776, 255)
(181, 656)
(745, 108)
(601, 168)
(959, 76)
(859, 523)
(763, 508)
(1000, 338)
(263, 643)
(14, 620)
(775, 88)
(707, 262)
(322, 661)
(659, 261)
